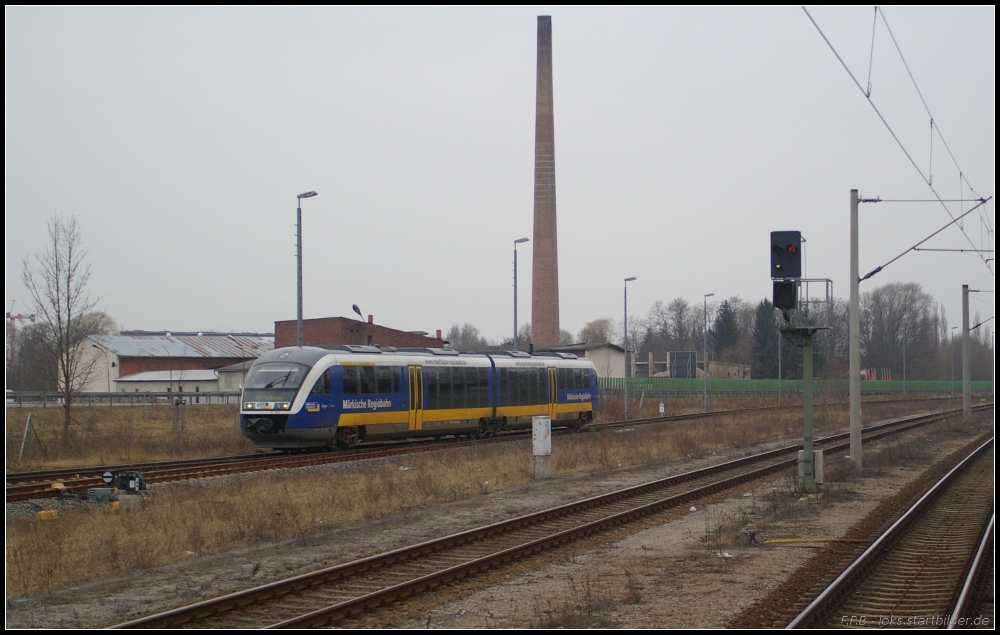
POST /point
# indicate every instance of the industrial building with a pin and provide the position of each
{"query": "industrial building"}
(162, 361)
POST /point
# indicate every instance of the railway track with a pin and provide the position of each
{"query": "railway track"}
(29, 486)
(76, 481)
(332, 595)
(919, 573)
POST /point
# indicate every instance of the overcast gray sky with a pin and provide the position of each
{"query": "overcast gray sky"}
(684, 136)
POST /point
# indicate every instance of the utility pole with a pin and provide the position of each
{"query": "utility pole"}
(627, 280)
(966, 365)
(854, 311)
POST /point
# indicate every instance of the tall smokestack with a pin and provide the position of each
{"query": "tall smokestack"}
(545, 263)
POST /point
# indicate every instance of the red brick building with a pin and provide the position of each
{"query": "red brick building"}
(335, 331)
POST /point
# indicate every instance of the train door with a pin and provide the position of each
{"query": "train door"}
(553, 394)
(416, 416)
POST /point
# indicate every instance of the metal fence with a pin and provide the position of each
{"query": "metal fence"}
(756, 386)
(55, 399)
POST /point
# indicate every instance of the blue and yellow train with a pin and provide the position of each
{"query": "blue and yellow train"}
(335, 397)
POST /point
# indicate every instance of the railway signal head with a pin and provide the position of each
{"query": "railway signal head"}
(784, 296)
(786, 254)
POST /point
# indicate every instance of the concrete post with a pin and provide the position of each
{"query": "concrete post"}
(808, 464)
(541, 446)
(855, 341)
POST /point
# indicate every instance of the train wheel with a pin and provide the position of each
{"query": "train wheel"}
(346, 438)
(486, 429)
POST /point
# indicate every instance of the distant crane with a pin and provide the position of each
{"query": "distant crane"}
(12, 320)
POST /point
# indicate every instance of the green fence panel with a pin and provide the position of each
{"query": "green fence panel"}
(656, 384)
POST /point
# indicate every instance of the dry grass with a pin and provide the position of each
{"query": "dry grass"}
(222, 514)
(585, 603)
(178, 522)
(122, 434)
(762, 505)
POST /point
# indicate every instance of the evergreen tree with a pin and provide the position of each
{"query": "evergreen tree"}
(726, 329)
(764, 355)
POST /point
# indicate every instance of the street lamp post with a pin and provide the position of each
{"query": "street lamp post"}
(904, 360)
(627, 280)
(704, 390)
(951, 384)
(516, 243)
(298, 220)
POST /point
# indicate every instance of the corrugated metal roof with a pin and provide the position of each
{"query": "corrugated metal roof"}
(172, 375)
(583, 346)
(225, 346)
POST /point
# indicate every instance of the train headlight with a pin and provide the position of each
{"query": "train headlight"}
(283, 406)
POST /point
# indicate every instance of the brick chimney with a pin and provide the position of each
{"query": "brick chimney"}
(545, 262)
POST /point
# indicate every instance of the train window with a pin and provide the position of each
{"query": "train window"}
(458, 394)
(322, 385)
(472, 387)
(367, 379)
(482, 388)
(504, 387)
(383, 379)
(444, 386)
(351, 382)
(433, 401)
(518, 387)
(395, 378)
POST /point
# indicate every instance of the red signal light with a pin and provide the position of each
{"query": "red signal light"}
(791, 249)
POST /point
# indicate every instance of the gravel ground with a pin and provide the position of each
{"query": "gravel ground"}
(671, 571)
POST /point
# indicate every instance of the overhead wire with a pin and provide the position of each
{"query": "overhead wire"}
(867, 94)
(914, 247)
(984, 220)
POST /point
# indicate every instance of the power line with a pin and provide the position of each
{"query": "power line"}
(913, 248)
(867, 94)
(981, 251)
(927, 109)
(916, 200)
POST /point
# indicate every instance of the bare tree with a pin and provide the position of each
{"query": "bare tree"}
(599, 331)
(466, 338)
(897, 328)
(57, 281)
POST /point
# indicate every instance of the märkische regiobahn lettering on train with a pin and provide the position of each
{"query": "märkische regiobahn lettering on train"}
(366, 404)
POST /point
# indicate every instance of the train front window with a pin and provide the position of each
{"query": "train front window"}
(275, 381)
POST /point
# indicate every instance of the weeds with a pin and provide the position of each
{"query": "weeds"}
(122, 434)
(763, 505)
(586, 603)
(234, 512)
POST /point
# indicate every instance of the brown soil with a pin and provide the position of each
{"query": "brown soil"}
(689, 568)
